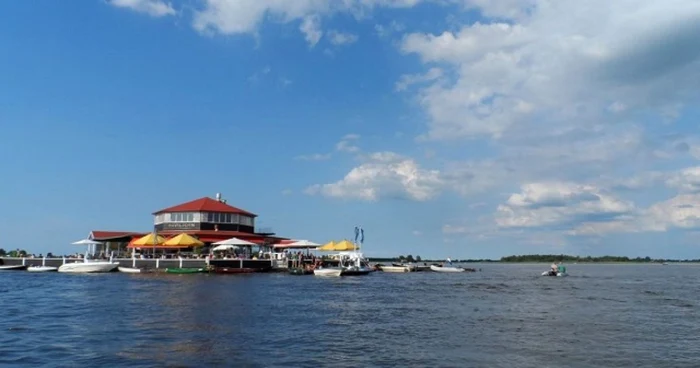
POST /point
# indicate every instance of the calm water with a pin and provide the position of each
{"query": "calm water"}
(504, 316)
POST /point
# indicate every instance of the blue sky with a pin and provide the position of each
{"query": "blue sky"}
(458, 128)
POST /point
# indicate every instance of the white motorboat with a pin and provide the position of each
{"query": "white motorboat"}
(446, 269)
(13, 268)
(328, 271)
(129, 269)
(557, 274)
(89, 266)
(395, 269)
(42, 269)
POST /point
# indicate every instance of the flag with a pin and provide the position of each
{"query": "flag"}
(362, 235)
(357, 233)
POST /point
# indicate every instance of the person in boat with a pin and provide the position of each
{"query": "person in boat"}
(561, 268)
(554, 269)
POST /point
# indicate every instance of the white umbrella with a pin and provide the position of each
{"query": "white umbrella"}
(86, 242)
(223, 247)
(298, 244)
(234, 241)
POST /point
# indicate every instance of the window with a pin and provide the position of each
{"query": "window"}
(246, 221)
(189, 217)
(228, 218)
(235, 218)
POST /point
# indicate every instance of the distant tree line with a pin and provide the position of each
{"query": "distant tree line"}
(539, 258)
(13, 253)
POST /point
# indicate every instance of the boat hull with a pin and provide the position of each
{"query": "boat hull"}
(89, 267)
(328, 272)
(42, 269)
(13, 268)
(552, 274)
(353, 271)
(447, 269)
(395, 269)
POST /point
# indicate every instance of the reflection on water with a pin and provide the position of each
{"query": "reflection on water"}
(505, 316)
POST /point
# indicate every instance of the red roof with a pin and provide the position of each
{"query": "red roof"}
(107, 235)
(205, 204)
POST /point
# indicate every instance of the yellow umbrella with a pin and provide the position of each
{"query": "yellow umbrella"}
(327, 247)
(150, 239)
(183, 240)
(337, 247)
(344, 246)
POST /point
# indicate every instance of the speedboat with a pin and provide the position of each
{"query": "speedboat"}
(328, 271)
(42, 269)
(13, 268)
(437, 268)
(552, 273)
(89, 266)
(354, 264)
(395, 269)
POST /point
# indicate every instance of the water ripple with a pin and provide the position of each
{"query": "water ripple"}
(504, 316)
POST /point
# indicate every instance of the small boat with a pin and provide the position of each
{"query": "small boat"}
(300, 271)
(186, 270)
(436, 268)
(130, 269)
(88, 267)
(552, 273)
(329, 271)
(13, 268)
(395, 269)
(230, 270)
(356, 271)
(42, 269)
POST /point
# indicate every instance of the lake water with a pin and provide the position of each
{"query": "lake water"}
(504, 316)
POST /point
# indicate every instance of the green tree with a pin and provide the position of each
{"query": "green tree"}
(2, 252)
(401, 258)
(418, 259)
(409, 258)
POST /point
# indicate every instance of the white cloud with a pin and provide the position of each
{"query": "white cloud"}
(411, 79)
(384, 175)
(341, 38)
(389, 29)
(155, 8)
(345, 144)
(560, 205)
(244, 16)
(544, 67)
(686, 180)
(311, 28)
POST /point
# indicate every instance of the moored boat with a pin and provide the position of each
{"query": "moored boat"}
(42, 269)
(395, 269)
(13, 268)
(130, 269)
(88, 267)
(186, 270)
(437, 268)
(328, 271)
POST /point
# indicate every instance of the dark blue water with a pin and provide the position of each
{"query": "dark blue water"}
(504, 316)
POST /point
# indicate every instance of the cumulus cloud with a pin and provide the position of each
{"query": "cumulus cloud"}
(545, 66)
(341, 38)
(155, 8)
(383, 175)
(560, 205)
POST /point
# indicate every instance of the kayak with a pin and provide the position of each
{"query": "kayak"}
(186, 270)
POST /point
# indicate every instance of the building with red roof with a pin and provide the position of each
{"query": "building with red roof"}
(209, 219)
